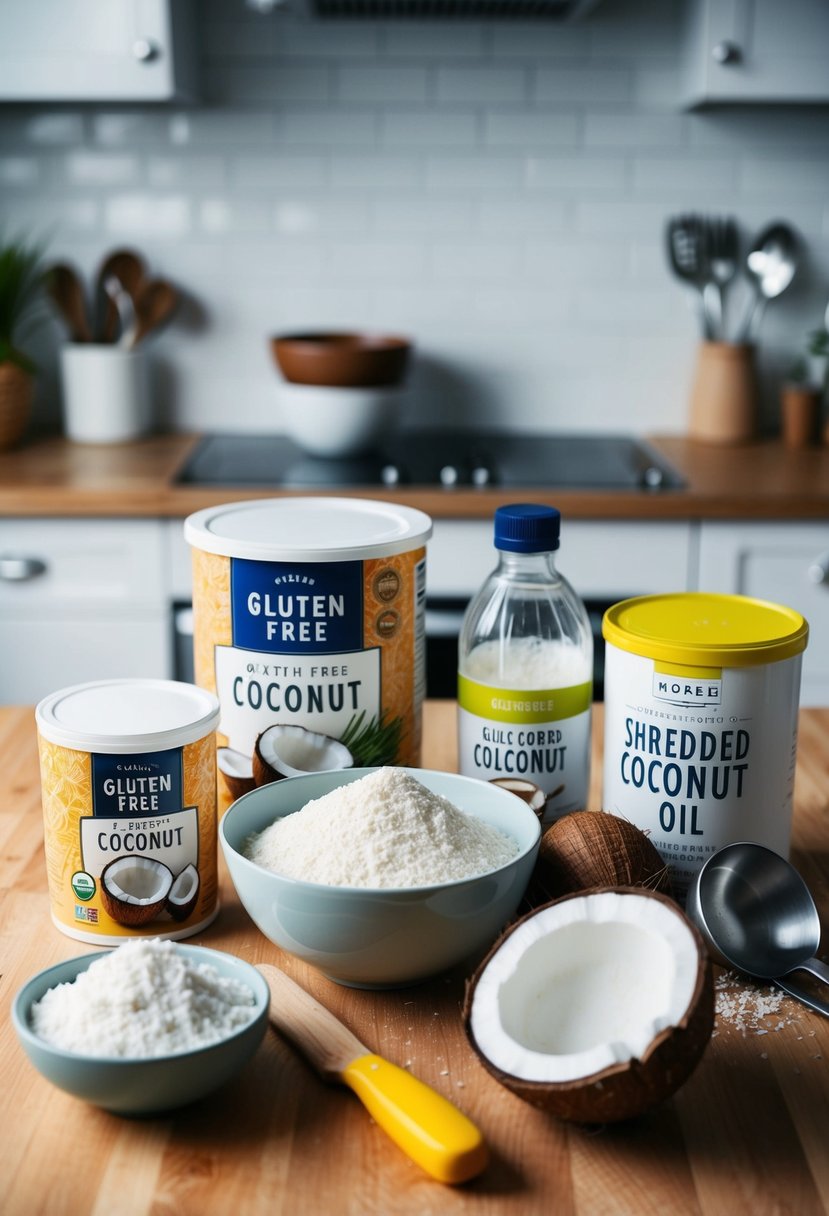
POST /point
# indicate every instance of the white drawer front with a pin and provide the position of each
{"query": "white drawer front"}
(608, 560)
(81, 567)
(776, 562)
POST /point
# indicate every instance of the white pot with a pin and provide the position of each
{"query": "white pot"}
(106, 393)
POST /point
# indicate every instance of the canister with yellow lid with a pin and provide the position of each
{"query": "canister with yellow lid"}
(700, 734)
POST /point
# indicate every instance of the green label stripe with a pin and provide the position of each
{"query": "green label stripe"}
(519, 705)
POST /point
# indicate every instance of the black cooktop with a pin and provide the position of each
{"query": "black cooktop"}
(436, 458)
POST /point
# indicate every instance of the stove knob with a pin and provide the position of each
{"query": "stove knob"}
(390, 475)
(449, 475)
(653, 478)
(481, 474)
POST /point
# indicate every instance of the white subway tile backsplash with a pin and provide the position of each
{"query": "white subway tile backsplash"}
(376, 172)
(633, 130)
(402, 213)
(50, 129)
(499, 190)
(525, 129)
(100, 169)
(568, 173)
(490, 85)
(275, 172)
(324, 129)
(591, 85)
(434, 39)
(384, 85)
(493, 171)
(428, 129)
(308, 216)
(18, 171)
(195, 173)
(148, 214)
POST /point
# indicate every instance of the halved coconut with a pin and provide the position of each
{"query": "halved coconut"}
(183, 893)
(134, 889)
(596, 1007)
(237, 770)
(288, 751)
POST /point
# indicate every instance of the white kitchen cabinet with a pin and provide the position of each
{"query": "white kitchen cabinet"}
(81, 600)
(755, 51)
(97, 50)
(602, 559)
(785, 563)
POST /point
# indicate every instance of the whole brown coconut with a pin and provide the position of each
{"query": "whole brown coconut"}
(594, 849)
(624, 1089)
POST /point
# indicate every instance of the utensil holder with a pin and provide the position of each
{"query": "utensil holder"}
(106, 393)
(724, 394)
(800, 415)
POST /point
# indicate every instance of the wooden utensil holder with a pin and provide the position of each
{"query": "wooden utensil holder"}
(724, 394)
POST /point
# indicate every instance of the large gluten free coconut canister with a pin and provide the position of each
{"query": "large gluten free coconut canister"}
(700, 733)
(309, 624)
(128, 780)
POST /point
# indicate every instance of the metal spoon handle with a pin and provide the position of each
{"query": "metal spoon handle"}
(807, 999)
(815, 967)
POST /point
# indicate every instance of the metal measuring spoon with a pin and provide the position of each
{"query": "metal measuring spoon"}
(771, 263)
(757, 915)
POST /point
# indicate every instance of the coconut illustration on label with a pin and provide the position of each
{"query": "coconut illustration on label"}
(701, 703)
(129, 803)
(309, 627)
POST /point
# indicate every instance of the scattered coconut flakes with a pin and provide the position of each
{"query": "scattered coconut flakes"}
(744, 1005)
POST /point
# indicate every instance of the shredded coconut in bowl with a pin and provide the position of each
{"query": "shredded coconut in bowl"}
(384, 830)
(145, 999)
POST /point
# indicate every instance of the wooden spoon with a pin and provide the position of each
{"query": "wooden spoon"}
(66, 290)
(155, 303)
(130, 270)
(424, 1124)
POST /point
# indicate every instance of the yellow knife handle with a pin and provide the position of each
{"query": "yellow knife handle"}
(424, 1124)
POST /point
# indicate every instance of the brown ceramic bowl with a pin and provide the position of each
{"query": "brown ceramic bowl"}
(341, 360)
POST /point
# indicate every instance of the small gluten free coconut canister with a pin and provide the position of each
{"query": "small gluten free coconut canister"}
(700, 732)
(309, 625)
(128, 781)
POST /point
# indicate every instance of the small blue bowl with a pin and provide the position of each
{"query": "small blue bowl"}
(133, 1086)
(380, 937)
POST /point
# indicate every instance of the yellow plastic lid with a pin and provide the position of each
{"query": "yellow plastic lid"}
(698, 629)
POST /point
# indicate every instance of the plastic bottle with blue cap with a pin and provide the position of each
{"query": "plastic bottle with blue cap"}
(525, 667)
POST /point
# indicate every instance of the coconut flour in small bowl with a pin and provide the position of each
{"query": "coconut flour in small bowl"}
(145, 999)
(382, 831)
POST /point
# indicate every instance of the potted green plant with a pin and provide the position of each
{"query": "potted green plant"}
(22, 278)
(803, 392)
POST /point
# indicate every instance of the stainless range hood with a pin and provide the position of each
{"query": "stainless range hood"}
(557, 10)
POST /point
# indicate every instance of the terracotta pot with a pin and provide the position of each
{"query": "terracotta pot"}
(800, 407)
(16, 392)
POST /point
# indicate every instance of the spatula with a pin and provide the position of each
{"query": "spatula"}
(424, 1124)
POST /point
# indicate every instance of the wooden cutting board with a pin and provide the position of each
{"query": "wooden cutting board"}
(746, 1134)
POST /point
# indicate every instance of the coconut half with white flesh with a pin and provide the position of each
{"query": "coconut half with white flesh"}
(237, 770)
(596, 1007)
(183, 893)
(289, 751)
(134, 889)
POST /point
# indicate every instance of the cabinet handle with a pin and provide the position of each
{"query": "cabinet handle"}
(145, 50)
(20, 569)
(819, 569)
(726, 52)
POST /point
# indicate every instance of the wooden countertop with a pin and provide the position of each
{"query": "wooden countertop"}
(746, 1134)
(764, 480)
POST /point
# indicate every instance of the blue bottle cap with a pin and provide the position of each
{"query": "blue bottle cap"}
(526, 527)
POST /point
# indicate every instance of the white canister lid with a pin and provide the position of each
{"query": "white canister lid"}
(129, 716)
(308, 529)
